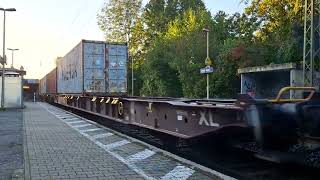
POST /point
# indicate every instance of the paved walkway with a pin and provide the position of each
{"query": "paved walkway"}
(58, 152)
(61, 145)
(11, 141)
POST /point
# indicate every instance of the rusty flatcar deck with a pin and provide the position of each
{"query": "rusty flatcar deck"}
(183, 118)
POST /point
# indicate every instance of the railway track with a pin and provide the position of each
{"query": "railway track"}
(211, 153)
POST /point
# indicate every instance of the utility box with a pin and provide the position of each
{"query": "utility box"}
(13, 88)
(266, 81)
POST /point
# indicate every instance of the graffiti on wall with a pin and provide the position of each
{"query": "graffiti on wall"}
(249, 87)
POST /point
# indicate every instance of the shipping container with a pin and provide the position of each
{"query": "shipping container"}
(93, 67)
(51, 82)
(43, 85)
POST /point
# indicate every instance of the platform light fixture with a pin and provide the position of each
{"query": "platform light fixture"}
(12, 53)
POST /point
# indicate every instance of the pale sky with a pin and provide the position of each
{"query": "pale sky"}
(46, 29)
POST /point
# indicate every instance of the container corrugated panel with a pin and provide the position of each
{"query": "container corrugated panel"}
(69, 72)
(117, 73)
(117, 85)
(43, 85)
(52, 82)
(94, 67)
(117, 69)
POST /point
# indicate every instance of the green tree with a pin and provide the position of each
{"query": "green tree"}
(158, 13)
(117, 17)
(182, 49)
(155, 20)
(280, 20)
(159, 78)
(275, 14)
(188, 49)
(176, 56)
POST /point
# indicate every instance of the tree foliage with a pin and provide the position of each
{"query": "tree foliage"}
(276, 14)
(280, 28)
(168, 45)
(117, 17)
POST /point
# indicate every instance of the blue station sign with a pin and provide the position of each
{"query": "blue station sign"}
(206, 70)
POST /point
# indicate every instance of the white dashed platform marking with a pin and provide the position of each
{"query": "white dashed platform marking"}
(101, 136)
(75, 122)
(72, 119)
(115, 144)
(141, 155)
(83, 125)
(66, 117)
(179, 172)
(90, 130)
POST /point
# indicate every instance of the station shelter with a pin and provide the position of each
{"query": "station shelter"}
(264, 82)
(13, 87)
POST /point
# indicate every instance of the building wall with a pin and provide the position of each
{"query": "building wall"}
(265, 85)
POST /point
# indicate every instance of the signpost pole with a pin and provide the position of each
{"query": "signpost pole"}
(4, 59)
(207, 86)
(208, 69)
(207, 58)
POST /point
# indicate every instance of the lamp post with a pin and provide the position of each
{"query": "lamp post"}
(128, 24)
(4, 52)
(12, 51)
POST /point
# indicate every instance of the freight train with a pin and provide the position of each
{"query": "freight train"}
(92, 78)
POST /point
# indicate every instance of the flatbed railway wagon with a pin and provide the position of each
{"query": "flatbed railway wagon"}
(91, 78)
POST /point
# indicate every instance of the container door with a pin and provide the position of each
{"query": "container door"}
(94, 67)
(117, 68)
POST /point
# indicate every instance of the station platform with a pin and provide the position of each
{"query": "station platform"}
(11, 144)
(61, 145)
